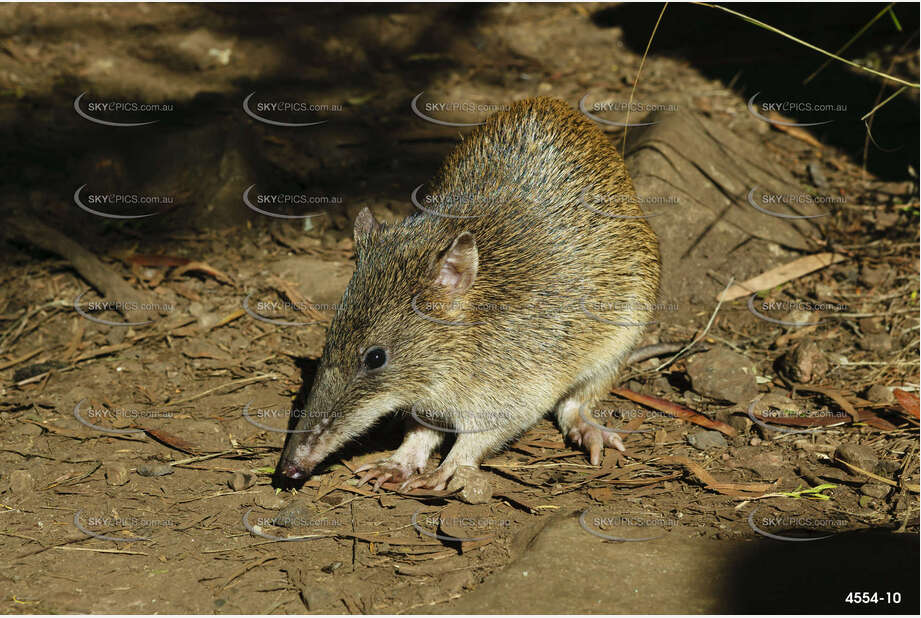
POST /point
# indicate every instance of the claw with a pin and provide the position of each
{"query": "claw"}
(436, 480)
(382, 472)
(613, 439)
(593, 440)
(381, 480)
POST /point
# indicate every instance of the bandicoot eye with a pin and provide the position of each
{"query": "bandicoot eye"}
(375, 358)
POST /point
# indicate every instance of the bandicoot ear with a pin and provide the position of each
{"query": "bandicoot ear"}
(365, 224)
(458, 266)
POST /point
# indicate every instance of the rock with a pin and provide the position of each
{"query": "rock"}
(877, 342)
(196, 309)
(154, 469)
(21, 482)
(661, 384)
(804, 363)
(269, 501)
(740, 423)
(871, 325)
(866, 502)
(816, 174)
(704, 440)
(116, 473)
(242, 480)
(887, 467)
(857, 455)
(474, 485)
(875, 490)
(723, 374)
(879, 394)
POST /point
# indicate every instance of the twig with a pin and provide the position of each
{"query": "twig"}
(262, 376)
(103, 551)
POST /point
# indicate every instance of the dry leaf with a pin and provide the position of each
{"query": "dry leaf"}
(781, 274)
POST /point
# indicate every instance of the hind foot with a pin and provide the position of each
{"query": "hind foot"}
(588, 436)
(593, 439)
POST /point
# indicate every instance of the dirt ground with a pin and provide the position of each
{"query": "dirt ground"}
(138, 443)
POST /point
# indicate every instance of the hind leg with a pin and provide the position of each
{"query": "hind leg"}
(574, 415)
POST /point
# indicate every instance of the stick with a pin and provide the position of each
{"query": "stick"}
(87, 265)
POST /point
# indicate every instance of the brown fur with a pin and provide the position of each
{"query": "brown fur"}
(498, 356)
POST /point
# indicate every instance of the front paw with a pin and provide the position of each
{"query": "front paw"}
(436, 480)
(385, 471)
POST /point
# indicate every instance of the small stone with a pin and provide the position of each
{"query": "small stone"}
(816, 174)
(723, 374)
(704, 440)
(21, 482)
(242, 480)
(875, 490)
(857, 455)
(804, 363)
(871, 325)
(332, 567)
(879, 394)
(154, 469)
(887, 467)
(116, 473)
(473, 485)
(877, 342)
(866, 502)
(740, 423)
(269, 501)
(662, 385)
(755, 441)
